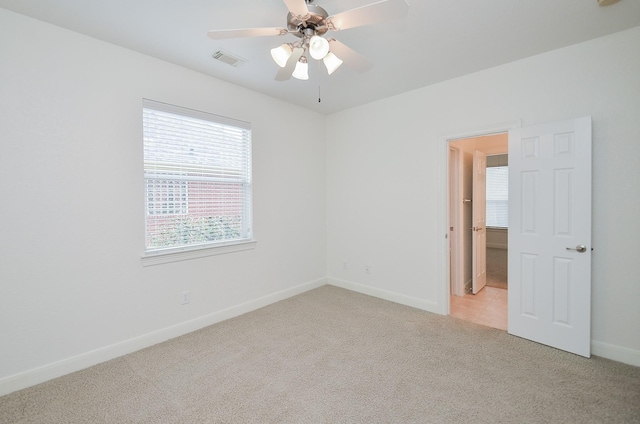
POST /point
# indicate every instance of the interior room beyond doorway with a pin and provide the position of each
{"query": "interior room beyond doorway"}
(489, 305)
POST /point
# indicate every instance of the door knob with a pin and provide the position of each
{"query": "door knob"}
(581, 248)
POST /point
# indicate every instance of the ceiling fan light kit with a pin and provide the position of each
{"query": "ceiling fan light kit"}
(301, 71)
(281, 54)
(318, 47)
(309, 23)
(332, 62)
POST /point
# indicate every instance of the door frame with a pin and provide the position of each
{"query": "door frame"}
(456, 277)
(445, 283)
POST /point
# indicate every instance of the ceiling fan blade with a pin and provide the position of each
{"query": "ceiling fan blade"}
(285, 73)
(373, 13)
(297, 7)
(353, 59)
(245, 32)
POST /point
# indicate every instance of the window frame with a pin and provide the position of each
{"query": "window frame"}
(157, 255)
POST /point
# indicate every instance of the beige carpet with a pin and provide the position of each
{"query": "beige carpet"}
(334, 356)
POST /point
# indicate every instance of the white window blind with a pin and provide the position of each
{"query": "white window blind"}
(197, 170)
(498, 196)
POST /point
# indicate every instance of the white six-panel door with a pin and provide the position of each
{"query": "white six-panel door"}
(479, 221)
(550, 234)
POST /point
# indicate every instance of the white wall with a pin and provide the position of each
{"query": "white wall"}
(497, 238)
(386, 176)
(72, 287)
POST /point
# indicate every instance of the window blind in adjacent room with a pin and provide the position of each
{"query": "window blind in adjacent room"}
(498, 196)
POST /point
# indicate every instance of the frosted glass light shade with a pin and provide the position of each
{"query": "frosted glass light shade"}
(302, 70)
(332, 62)
(318, 47)
(281, 54)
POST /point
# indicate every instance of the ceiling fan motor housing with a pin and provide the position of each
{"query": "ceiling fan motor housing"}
(316, 20)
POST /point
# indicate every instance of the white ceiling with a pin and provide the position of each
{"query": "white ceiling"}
(438, 40)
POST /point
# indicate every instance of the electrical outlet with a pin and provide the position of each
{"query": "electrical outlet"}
(344, 265)
(367, 269)
(185, 298)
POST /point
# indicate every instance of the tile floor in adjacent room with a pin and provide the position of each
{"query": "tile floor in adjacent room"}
(488, 307)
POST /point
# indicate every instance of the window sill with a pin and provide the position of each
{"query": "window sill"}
(195, 253)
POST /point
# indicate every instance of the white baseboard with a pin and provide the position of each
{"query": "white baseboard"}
(47, 372)
(616, 353)
(604, 350)
(414, 302)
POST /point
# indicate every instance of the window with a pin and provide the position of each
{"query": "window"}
(498, 196)
(197, 170)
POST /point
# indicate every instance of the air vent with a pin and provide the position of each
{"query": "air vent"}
(228, 58)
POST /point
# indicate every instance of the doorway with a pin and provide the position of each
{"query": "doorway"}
(469, 259)
(549, 259)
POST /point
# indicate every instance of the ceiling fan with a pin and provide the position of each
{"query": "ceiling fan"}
(310, 23)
